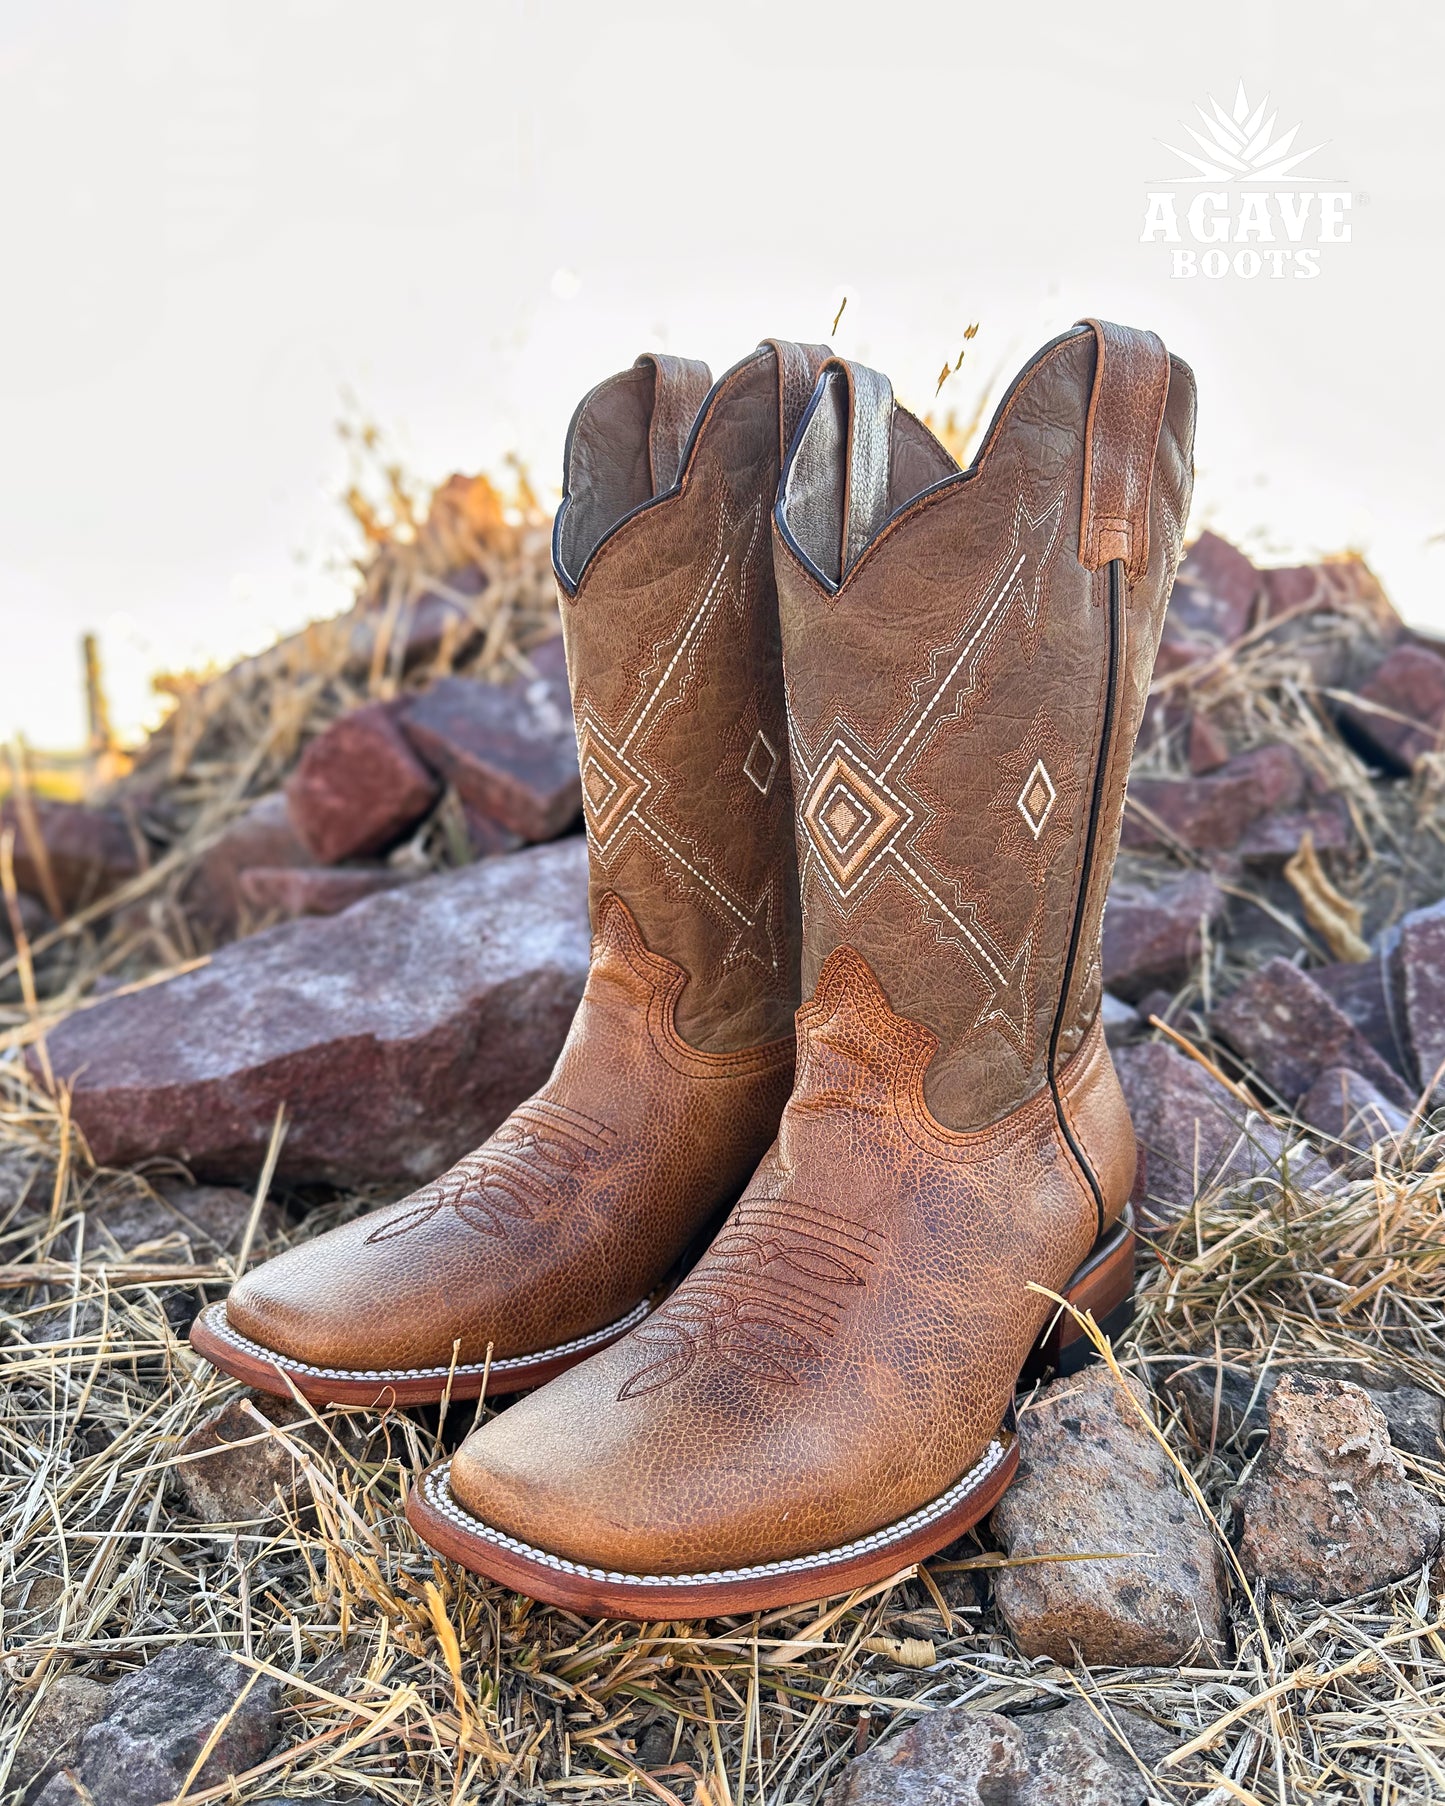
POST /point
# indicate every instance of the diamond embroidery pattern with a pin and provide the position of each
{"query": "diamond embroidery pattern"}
(610, 786)
(761, 765)
(850, 816)
(1037, 799)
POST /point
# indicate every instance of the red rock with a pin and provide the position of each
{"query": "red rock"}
(509, 749)
(398, 1035)
(1273, 840)
(1367, 993)
(486, 837)
(1419, 961)
(262, 836)
(1208, 748)
(1195, 1134)
(1403, 707)
(1290, 1031)
(1153, 937)
(90, 852)
(1350, 1113)
(1327, 1512)
(285, 892)
(1211, 814)
(1214, 592)
(1338, 586)
(359, 787)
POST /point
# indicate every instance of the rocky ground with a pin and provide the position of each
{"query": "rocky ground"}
(331, 925)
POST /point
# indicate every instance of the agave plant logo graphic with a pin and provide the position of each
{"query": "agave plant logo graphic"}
(1243, 146)
(1250, 192)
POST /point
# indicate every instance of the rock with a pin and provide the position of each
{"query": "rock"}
(1211, 814)
(69, 1706)
(358, 787)
(1270, 841)
(510, 749)
(1350, 1113)
(398, 1035)
(173, 1222)
(1290, 1031)
(1366, 992)
(1214, 592)
(1327, 1512)
(1121, 1023)
(1341, 586)
(1153, 937)
(226, 1476)
(288, 892)
(1419, 960)
(961, 1757)
(485, 837)
(1196, 1134)
(1208, 748)
(84, 854)
(263, 836)
(1092, 1479)
(35, 920)
(157, 1721)
(1401, 707)
(1200, 1386)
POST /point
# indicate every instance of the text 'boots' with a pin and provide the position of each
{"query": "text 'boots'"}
(827, 1398)
(553, 1237)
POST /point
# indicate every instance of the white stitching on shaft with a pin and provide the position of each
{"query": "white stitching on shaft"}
(438, 1494)
(507, 1365)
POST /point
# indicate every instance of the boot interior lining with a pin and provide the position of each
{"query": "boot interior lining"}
(814, 501)
(609, 465)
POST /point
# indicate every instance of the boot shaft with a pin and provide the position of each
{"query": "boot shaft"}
(967, 657)
(663, 557)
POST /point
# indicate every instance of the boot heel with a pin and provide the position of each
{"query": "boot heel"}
(1104, 1285)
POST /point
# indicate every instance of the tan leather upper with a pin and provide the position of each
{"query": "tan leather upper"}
(670, 1085)
(966, 659)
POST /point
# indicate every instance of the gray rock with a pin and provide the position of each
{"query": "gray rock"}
(1327, 1513)
(398, 1035)
(1195, 1134)
(1228, 1403)
(1401, 707)
(68, 1707)
(1121, 1021)
(1092, 1480)
(1367, 992)
(1290, 1031)
(158, 1719)
(227, 1476)
(282, 893)
(959, 1757)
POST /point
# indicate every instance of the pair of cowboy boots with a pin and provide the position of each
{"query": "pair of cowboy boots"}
(854, 725)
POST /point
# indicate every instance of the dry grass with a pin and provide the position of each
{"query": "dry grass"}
(408, 1678)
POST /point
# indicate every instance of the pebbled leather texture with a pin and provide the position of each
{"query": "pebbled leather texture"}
(845, 1349)
(680, 1058)
(962, 705)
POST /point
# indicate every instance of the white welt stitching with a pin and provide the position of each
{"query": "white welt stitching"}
(511, 1362)
(438, 1493)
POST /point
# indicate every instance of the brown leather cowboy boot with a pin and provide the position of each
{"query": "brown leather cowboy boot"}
(827, 1398)
(553, 1237)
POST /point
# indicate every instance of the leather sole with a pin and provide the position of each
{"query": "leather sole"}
(1103, 1285)
(381, 1388)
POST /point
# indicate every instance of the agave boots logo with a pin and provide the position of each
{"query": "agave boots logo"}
(1246, 208)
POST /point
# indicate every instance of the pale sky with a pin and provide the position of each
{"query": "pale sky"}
(219, 218)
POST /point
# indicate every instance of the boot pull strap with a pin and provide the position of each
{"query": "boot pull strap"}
(679, 388)
(1126, 410)
(869, 457)
(798, 367)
